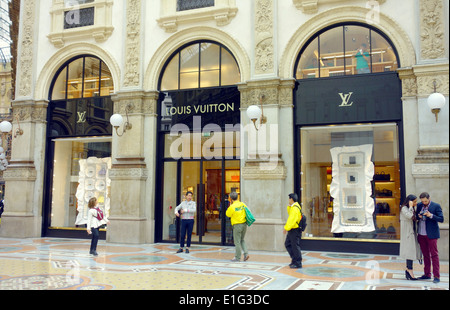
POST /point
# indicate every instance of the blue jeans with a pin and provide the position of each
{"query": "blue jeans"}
(95, 235)
(186, 227)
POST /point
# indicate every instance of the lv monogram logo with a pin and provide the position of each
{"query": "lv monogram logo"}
(345, 99)
(81, 117)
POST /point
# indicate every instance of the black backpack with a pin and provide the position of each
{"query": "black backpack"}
(302, 224)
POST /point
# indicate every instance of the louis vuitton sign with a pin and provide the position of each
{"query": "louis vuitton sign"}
(349, 99)
(218, 106)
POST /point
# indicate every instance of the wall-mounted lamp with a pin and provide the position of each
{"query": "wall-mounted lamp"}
(254, 112)
(116, 121)
(6, 127)
(435, 102)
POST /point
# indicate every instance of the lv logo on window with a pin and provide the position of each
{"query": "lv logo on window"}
(81, 117)
(345, 99)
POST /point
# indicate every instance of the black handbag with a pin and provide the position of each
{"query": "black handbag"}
(381, 176)
(382, 208)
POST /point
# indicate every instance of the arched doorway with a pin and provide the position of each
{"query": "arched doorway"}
(78, 153)
(198, 139)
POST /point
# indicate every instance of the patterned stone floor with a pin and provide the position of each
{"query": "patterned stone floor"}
(64, 264)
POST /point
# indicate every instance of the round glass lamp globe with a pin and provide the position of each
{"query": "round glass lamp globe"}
(436, 101)
(254, 112)
(5, 126)
(116, 120)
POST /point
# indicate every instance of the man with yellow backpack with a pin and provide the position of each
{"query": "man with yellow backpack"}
(294, 229)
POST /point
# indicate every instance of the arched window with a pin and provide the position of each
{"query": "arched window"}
(200, 65)
(346, 49)
(82, 77)
(80, 98)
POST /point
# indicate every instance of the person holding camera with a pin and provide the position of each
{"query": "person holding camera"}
(409, 247)
(429, 213)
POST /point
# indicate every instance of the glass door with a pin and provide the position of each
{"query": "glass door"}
(212, 172)
(211, 182)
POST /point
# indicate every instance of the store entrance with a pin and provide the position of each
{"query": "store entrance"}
(211, 182)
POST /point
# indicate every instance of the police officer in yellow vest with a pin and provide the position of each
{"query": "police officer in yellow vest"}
(294, 233)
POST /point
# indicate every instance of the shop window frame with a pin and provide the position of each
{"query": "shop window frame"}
(178, 52)
(343, 25)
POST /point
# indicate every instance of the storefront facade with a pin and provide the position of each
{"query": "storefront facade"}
(352, 139)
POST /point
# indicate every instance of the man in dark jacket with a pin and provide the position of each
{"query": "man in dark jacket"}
(429, 214)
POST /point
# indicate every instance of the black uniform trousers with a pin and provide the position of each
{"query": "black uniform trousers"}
(292, 245)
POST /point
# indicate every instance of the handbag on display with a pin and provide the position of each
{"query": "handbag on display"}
(382, 208)
(381, 176)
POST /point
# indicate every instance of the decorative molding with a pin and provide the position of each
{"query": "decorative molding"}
(222, 12)
(34, 111)
(432, 35)
(263, 170)
(428, 74)
(25, 73)
(264, 40)
(409, 82)
(312, 6)
(100, 31)
(275, 91)
(430, 171)
(432, 155)
(20, 171)
(138, 102)
(127, 173)
(132, 74)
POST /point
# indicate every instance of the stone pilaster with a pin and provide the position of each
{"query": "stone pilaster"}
(267, 159)
(25, 174)
(132, 184)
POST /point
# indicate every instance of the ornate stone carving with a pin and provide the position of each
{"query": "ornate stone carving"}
(427, 82)
(133, 45)
(263, 170)
(30, 111)
(26, 49)
(409, 82)
(275, 91)
(430, 170)
(20, 171)
(432, 38)
(137, 101)
(264, 48)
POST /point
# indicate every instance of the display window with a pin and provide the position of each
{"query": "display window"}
(346, 49)
(350, 181)
(80, 172)
(78, 143)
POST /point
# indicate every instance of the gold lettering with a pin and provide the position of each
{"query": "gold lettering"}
(200, 109)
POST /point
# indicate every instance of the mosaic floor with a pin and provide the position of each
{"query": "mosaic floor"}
(64, 264)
